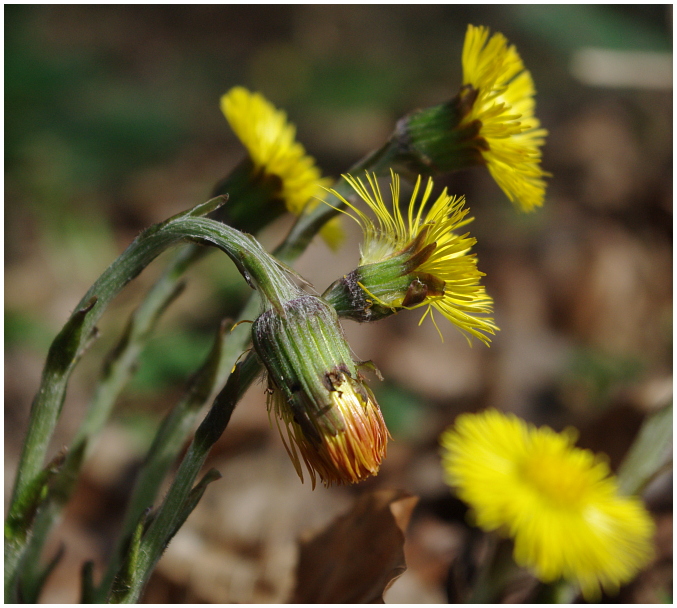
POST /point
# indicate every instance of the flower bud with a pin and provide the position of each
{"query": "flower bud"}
(330, 416)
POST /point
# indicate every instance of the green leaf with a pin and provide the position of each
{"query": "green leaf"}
(649, 454)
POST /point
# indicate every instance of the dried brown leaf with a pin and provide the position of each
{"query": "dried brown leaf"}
(356, 558)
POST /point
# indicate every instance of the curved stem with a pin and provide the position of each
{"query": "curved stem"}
(258, 268)
(118, 368)
(173, 433)
(173, 508)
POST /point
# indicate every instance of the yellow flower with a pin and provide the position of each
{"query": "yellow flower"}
(558, 502)
(418, 260)
(273, 149)
(504, 105)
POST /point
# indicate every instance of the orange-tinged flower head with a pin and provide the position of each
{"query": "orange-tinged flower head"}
(327, 416)
(346, 447)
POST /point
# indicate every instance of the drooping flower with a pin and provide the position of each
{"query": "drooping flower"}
(327, 415)
(347, 455)
(559, 503)
(413, 260)
(500, 95)
(271, 143)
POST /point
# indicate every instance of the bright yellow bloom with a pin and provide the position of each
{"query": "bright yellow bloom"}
(444, 273)
(349, 452)
(270, 141)
(558, 502)
(505, 107)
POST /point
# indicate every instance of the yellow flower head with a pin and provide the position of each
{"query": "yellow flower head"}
(417, 259)
(504, 105)
(273, 149)
(559, 503)
(342, 453)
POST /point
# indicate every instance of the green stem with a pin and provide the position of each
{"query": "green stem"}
(33, 574)
(559, 592)
(122, 361)
(164, 525)
(254, 263)
(494, 575)
(71, 341)
(118, 369)
(63, 356)
(174, 431)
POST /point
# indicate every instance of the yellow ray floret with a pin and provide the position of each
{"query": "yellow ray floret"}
(270, 141)
(558, 502)
(505, 107)
(448, 259)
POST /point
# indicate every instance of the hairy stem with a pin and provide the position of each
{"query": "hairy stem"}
(174, 431)
(258, 268)
(172, 511)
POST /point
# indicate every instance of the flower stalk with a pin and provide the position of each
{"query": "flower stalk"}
(258, 268)
(172, 511)
(174, 431)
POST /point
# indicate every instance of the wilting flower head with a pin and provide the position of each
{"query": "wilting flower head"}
(559, 503)
(499, 94)
(413, 260)
(273, 149)
(328, 414)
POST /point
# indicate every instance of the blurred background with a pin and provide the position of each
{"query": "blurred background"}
(112, 123)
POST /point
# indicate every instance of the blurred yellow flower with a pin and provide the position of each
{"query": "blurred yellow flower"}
(270, 141)
(435, 267)
(558, 502)
(504, 105)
